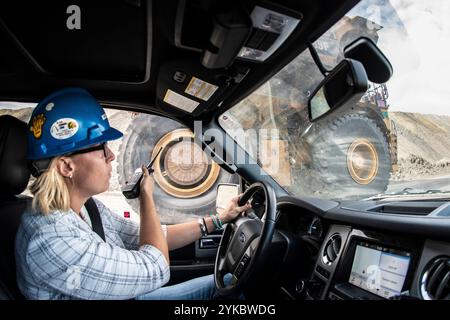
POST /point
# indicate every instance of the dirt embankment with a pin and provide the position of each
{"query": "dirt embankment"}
(23, 114)
(423, 145)
(119, 120)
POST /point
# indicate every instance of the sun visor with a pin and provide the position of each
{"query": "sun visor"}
(81, 38)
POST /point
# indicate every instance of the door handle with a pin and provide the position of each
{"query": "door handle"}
(208, 243)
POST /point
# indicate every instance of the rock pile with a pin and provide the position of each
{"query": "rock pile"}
(415, 166)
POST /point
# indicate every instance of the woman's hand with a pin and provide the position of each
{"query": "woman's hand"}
(147, 183)
(233, 210)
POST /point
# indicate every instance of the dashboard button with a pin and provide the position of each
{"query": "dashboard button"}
(323, 272)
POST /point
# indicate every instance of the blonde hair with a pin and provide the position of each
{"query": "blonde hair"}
(50, 191)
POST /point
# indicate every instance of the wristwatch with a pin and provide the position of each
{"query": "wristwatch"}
(202, 227)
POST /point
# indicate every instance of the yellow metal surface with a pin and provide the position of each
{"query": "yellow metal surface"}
(187, 172)
(362, 161)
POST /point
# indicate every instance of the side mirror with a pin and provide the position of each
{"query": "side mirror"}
(347, 82)
(364, 50)
(225, 192)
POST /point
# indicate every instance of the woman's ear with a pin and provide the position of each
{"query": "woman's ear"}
(65, 167)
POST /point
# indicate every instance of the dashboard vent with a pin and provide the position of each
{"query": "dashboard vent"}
(413, 208)
(435, 281)
(332, 249)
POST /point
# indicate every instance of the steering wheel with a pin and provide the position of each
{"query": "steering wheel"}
(245, 242)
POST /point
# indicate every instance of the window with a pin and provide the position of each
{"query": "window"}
(185, 179)
(394, 140)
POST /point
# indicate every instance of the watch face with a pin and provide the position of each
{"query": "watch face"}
(202, 225)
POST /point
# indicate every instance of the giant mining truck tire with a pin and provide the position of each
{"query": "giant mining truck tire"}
(350, 158)
(185, 178)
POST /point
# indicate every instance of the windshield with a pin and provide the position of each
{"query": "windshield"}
(396, 138)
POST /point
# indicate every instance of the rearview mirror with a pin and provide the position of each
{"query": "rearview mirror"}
(225, 192)
(347, 82)
(364, 50)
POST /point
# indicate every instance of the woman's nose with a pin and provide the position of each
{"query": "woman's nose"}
(110, 155)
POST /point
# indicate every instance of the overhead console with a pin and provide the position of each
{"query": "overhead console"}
(250, 30)
(222, 42)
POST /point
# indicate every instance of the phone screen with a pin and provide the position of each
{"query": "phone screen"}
(224, 195)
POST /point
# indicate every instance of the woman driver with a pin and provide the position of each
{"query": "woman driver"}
(58, 254)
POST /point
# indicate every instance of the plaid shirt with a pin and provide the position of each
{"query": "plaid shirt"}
(59, 256)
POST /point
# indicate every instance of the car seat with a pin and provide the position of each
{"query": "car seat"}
(14, 176)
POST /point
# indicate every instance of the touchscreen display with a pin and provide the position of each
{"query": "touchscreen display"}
(379, 270)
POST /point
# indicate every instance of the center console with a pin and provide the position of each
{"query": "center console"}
(359, 264)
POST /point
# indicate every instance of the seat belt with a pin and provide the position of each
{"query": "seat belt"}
(96, 221)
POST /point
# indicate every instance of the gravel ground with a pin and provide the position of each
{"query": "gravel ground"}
(423, 145)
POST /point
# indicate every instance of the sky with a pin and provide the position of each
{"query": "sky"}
(421, 57)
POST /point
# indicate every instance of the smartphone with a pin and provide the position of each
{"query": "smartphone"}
(225, 192)
(132, 189)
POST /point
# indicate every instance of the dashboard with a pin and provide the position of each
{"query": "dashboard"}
(371, 250)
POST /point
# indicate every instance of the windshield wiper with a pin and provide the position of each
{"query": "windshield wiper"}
(408, 192)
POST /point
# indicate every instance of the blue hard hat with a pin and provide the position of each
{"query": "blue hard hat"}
(65, 121)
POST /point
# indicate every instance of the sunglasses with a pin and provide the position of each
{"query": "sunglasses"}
(101, 146)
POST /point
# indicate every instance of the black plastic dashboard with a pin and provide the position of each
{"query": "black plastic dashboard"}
(389, 249)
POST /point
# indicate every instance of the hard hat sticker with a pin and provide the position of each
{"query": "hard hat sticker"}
(49, 106)
(36, 125)
(64, 128)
